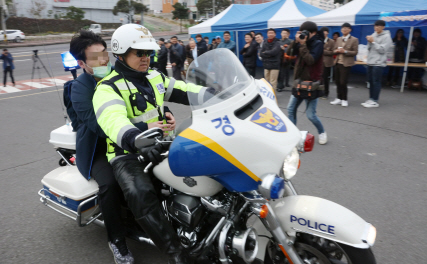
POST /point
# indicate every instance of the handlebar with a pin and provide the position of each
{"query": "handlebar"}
(150, 165)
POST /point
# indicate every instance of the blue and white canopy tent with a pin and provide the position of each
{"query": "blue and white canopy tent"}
(366, 12)
(276, 14)
(244, 18)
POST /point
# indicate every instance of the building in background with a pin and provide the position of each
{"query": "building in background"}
(156, 6)
(190, 4)
(100, 11)
(326, 5)
(167, 5)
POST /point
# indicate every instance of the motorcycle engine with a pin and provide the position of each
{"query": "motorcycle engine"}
(187, 211)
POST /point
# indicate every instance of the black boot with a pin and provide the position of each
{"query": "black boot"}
(158, 228)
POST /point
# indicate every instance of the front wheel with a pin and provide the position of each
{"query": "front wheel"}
(317, 250)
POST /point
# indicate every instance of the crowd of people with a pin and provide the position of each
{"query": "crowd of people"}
(278, 59)
(177, 53)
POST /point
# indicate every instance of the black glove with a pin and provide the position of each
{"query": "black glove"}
(152, 154)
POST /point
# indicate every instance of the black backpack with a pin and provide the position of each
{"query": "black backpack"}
(67, 102)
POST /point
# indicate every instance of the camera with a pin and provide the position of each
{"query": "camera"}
(35, 52)
(304, 33)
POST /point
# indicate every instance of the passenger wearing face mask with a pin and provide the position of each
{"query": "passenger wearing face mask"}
(127, 102)
(90, 51)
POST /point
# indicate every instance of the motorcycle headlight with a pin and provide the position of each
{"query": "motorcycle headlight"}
(291, 164)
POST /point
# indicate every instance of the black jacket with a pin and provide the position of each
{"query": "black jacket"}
(418, 54)
(162, 55)
(78, 100)
(202, 47)
(176, 54)
(250, 55)
(271, 54)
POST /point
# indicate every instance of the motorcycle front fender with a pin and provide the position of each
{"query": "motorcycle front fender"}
(318, 217)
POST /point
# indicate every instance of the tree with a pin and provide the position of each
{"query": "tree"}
(75, 13)
(37, 8)
(206, 5)
(180, 12)
(123, 6)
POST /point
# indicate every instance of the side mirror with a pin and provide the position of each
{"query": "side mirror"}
(148, 137)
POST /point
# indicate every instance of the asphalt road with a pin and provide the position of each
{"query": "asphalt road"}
(374, 164)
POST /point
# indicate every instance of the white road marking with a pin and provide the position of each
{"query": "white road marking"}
(22, 52)
(37, 85)
(10, 89)
(57, 81)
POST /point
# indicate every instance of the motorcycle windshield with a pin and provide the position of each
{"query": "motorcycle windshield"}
(221, 74)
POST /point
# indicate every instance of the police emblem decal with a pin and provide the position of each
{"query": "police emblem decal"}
(269, 120)
(115, 45)
(143, 29)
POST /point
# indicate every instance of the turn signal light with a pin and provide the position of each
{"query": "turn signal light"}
(264, 211)
(309, 142)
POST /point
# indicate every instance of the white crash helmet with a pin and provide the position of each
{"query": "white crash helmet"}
(132, 36)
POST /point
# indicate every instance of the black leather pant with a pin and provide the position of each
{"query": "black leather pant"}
(110, 195)
(141, 190)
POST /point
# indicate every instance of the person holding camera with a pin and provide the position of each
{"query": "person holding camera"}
(308, 46)
(346, 48)
(7, 66)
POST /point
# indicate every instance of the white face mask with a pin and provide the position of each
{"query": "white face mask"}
(101, 71)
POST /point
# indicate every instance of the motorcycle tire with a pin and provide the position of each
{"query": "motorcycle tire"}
(353, 255)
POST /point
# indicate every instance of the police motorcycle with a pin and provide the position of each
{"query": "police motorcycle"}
(227, 179)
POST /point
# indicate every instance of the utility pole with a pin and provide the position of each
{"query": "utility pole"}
(130, 12)
(3, 21)
(213, 8)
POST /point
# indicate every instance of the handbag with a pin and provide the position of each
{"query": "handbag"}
(307, 89)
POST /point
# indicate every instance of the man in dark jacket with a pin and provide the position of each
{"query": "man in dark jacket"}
(308, 67)
(249, 53)
(162, 56)
(328, 59)
(7, 66)
(202, 46)
(270, 54)
(176, 58)
(285, 64)
(90, 51)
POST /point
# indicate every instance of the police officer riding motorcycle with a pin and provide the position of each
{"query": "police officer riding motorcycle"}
(127, 102)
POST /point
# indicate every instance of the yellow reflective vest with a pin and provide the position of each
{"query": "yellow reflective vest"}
(115, 114)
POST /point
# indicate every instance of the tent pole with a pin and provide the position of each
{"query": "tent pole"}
(237, 43)
(408, 51)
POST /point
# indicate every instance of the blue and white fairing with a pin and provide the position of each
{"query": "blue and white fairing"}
(238, 133)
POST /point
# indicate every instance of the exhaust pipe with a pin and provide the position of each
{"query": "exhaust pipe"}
(246, 245)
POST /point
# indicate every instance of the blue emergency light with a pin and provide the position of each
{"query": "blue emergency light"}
(70, 63)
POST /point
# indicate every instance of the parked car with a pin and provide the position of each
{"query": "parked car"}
(97, 29)
(14, 35)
